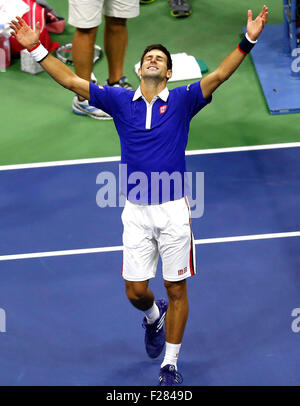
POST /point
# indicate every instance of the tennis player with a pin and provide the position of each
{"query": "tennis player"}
(153, 126)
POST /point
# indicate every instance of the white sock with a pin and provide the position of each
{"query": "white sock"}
(171, 354)
(152, 314)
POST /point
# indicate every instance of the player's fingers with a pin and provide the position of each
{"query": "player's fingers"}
(13, 22)
(250, 15)
(14, 25)
(263, 11)
(20, 20)
(266, 15)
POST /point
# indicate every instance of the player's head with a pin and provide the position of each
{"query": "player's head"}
(160, 48)
(156, 56)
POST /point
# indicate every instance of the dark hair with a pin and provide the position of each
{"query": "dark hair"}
(160, 48)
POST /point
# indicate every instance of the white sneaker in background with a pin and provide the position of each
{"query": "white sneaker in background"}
(83, 108)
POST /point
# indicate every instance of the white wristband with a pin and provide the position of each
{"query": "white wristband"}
(250, 40)
(38, 53)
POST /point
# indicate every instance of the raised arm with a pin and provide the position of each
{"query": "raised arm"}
(63, 75)
(229, 65)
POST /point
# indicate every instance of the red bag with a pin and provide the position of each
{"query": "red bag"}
(35, 14)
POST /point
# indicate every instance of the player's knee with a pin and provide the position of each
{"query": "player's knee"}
(176, 290)
(135, 290)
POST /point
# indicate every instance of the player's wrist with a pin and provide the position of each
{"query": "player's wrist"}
(33, 46)
(38, 52)
(250, 38)
(246, 44)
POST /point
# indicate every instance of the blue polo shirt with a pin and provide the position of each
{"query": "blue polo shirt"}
(153, 137)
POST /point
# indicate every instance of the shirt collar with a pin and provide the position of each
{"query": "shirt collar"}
(164, 94)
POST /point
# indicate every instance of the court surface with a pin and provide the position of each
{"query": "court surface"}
(68, 321)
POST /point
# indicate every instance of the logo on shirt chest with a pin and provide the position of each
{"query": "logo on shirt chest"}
(162, 109)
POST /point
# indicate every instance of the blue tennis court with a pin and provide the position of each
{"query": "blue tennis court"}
(67, 318)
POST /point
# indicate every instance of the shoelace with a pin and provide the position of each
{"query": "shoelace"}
(154, 328)
(171, 375)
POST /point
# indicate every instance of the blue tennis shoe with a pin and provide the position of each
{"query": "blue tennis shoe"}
(155, 337)
(168, 376)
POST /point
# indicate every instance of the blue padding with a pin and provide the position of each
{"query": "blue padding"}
(273, 68)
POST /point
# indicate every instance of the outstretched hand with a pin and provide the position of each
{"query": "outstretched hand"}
(255, 27)
(27, 37)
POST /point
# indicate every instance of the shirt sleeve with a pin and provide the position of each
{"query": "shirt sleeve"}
(194, 98)
(104, 98)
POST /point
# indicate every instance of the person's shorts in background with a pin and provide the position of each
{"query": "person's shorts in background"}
(88, 13)
(153, 230)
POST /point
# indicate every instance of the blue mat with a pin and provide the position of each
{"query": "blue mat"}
(273, 67)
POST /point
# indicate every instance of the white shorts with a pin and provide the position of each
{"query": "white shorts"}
(88, 13)
(153, 230)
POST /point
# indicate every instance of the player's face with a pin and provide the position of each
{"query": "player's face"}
(155, 65)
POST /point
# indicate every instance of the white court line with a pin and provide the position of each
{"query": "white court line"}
(59, 163)
(247, 237)
(60, 253)
(241, 149)
(120, 247)
(118, 158)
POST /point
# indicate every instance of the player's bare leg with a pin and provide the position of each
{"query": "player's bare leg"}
(176, 318)
(178, 310)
